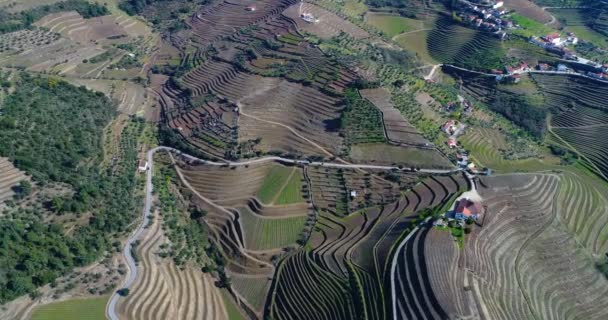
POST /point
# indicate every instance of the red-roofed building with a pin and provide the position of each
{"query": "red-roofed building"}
(452, 143)
(553, 38)
(466, 209)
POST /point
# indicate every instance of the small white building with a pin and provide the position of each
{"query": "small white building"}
(143, 166)
(498, 4)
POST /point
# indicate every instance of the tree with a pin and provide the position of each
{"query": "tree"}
(123, 292)
(23, 189)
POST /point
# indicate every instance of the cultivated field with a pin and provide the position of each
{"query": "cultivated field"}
(355, 246)
(528, 228)
(529, 9)
(392, 25)
(580, 117)
(396, 127)
(511, 264)
(9, 177)
(76, 309)
(328, 24)
(163, 290)
(453, 43)
(407, 156)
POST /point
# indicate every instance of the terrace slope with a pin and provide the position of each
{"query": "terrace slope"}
(163, 290)
(522, 219)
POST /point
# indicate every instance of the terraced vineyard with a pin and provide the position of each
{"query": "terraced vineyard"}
(580, 117)
(396, 127)
(510, 265)
(452, 43)
(349, 257)
(251, 79)
(539, 243)
(163, 290)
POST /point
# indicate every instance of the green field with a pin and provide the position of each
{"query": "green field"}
(269, 233)
(292, 192)
(531, 27)
(416, 43)
(76, 309)
(274, 181)
(231, 308)
(392, 25)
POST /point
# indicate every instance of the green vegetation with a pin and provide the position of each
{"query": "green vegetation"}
(274, 181)
(530, 26)
(268, 233)
(521, 111)
(75, 309)
(53, 131)
(231, 308)
(292, 191)
(36, 134)
(452, 43)
(101, 57)
(184, 227)
(407, 8)
(21, 20)
(361, 121)
(392, 25)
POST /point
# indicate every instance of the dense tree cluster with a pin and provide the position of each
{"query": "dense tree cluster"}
(520, 111)
(53, 131)
(24, 19)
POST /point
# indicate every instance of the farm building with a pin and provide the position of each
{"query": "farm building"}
(143, 165)
(553, 38)
(452, 143)
(517, 69)
(450, 127)
(466, 209)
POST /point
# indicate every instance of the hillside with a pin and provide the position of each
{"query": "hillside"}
(327, 159)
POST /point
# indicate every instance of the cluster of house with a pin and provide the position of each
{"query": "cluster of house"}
(489, 17)
(464, 210)
(452, 128)
(511, 74)
(555, 43)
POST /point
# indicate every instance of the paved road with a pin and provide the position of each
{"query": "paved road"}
(569, 73)
(132, 267)
(304, 162)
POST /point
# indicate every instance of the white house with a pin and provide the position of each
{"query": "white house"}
(143, 166)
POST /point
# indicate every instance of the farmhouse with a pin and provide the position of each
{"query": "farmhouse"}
(450, 126)
(466, 209)
(553, 38)
(522, 67)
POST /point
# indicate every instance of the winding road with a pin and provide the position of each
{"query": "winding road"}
(132, 271)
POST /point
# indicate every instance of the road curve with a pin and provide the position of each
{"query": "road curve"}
(132, 267)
